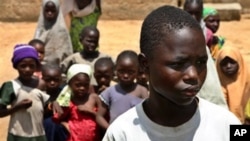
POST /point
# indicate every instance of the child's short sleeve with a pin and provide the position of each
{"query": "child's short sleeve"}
(105, 96)
(45, 97)
(7, 93)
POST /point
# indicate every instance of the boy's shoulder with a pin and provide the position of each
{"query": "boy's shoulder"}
(216, 112)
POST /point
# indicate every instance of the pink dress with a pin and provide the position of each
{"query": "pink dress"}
(82, 125)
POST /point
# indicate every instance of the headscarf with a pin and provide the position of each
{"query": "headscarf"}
(236, 89)
(65, 95)
(70, 6)
(208, 11)
(56, 2)
(22, 51)
(55, 36)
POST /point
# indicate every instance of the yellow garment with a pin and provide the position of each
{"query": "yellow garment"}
(235, 88)
(247, 110)
(214, 51)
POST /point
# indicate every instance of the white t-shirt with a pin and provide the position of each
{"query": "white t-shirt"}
(209, 123)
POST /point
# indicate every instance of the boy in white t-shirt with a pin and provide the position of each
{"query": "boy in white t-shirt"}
(173, 54)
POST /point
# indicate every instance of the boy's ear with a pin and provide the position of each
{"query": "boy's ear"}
(143, 62)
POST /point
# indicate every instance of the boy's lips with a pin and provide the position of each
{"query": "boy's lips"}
(191, 91)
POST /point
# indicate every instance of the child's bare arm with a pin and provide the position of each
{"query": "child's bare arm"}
(24, 104)
(144, 93)
(102, 110)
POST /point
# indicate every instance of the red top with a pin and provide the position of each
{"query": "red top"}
(82, 125)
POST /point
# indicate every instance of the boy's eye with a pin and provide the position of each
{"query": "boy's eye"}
(202, 61)
(177, 65)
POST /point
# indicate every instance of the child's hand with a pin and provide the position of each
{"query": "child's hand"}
(66, 125)
(24, 104)
(102, 88)
(87, 109)
(57, 108)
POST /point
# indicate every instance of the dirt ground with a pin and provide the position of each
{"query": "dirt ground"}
(115, 37)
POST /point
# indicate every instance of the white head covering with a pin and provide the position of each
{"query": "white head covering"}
(78, 68)
(64, 97)
(56, 2)
(55, 35)
(70, 6)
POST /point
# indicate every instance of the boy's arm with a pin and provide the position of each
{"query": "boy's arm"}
(24, 104)
(67, 19)
(7, 95)
(100, 116)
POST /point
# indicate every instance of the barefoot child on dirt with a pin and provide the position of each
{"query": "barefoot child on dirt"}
(79, 105)
(40, 48)
(53, 80)
(124, 95)
(26, 100)
(176, 73)
(89, 37)
(103, 73)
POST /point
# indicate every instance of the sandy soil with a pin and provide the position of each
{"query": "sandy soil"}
(115, 37)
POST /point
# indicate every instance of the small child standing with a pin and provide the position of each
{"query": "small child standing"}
(27, 102)
(234, 78)
(52, 78)
(79, 105)
(124, 95)
(52, 30)
(89, 38)
(103, 73)
(40, 48)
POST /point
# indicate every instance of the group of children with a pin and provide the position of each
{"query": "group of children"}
(64, 96)
(71, 109)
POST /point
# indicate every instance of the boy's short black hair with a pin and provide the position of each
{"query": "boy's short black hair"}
(159, 24)
(36, 41)
(52, 66)
(107, 61)
(128, 54)
(187, 2)
(86, 29)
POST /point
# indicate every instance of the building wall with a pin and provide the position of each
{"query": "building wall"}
(28, 10)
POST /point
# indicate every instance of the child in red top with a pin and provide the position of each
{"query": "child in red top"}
(80, 111)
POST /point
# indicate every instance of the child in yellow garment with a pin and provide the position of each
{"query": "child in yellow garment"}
(234, 78)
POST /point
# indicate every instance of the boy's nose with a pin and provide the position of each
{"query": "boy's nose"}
(191, 76)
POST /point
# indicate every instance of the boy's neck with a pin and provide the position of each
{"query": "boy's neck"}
(129, 87)
(166, 113)
(53, 93)
(86, 55)
(33, 82)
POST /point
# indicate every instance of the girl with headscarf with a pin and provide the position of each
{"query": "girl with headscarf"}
(79, 106)
(79, 14)
(234, 78)
(52, 30)
(212, 20)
